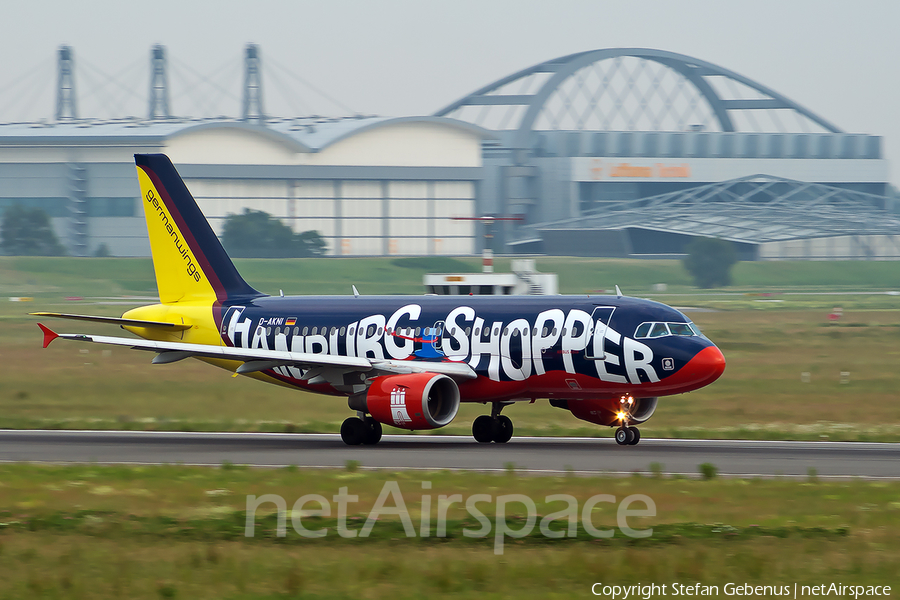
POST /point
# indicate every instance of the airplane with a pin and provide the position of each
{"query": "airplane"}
(404, 361)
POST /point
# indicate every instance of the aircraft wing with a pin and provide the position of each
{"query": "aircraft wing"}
(258, 359)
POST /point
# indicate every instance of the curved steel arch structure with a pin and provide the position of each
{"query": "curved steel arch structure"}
(691, 69)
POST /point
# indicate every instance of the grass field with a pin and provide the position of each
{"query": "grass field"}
(177, 532)
(171, 531)
(769, 340)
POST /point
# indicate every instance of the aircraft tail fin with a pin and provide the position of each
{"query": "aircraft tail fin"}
(189, 260)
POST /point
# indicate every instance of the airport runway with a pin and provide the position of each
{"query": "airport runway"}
(583, 455)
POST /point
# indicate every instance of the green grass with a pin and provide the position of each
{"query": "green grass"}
(175, 531)
(770, 336)
(58, 277)
(760, 396)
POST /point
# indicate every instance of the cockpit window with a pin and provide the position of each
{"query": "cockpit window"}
(655, 330)
(680, 329)
(643, 330)
(658, 330)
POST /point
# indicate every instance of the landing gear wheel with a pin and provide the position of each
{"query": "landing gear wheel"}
(353, 431)
(502, 430)
(625, 436)
(483, 429)
(637, 436)
(373, 431)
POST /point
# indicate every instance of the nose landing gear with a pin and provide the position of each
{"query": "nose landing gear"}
(628, 436)
(625, 435)
(494, 428)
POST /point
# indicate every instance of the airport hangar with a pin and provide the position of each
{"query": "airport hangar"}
(614, 152)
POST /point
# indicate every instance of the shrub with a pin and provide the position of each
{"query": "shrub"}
(709, 261)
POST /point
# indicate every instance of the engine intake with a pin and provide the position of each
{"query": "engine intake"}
(415, 401)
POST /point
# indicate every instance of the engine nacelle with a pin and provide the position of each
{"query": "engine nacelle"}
(415, 401)
(606, 411)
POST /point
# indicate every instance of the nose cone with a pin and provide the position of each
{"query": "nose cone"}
(710, 364)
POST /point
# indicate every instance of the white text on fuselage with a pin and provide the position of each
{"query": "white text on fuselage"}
(512, 350)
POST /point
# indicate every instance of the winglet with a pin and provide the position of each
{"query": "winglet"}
(355, 292)
(49, 334)
(618, 292)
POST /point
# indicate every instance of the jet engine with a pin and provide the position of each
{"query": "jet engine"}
(606, 411)
(415, 401)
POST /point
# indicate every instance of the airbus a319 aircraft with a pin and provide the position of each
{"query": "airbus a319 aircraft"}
(405, 361)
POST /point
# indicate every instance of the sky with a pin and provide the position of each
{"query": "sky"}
(412, 57)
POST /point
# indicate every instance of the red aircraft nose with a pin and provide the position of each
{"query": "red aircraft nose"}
(710, 363)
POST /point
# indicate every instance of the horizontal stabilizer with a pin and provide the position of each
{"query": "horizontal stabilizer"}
(116, 321)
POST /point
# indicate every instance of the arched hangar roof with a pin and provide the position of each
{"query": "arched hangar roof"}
(628, 89)
(301, 134)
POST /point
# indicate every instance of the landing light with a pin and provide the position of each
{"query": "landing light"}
(621, 415)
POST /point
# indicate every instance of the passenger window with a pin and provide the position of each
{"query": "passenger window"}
(314, 330)
(418, 331)
(478, 331)
(305, 330)
(553, 332)
(659, 330)
(643, 330)
(341, 332)
(380, 331)
(680, 329)
(296, 331)
(352, 331)
(268, 331)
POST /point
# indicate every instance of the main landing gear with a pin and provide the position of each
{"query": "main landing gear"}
(360, 430)
(628, 436)
(494, 428)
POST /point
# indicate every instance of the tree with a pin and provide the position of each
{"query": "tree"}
(27, 232)
(256, 234)
(709, 261)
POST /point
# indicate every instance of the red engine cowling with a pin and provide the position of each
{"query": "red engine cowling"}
(415, 401)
